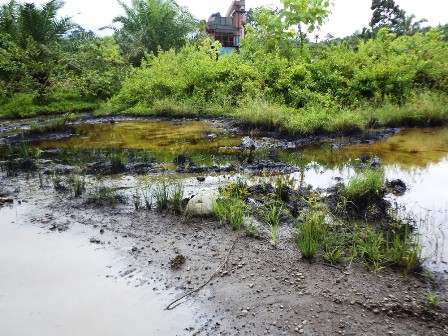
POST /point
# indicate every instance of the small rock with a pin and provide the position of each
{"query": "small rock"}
(202, 205)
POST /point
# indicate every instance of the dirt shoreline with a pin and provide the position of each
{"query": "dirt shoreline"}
(263, 290)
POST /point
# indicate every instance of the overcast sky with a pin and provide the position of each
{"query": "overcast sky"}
(347, 15)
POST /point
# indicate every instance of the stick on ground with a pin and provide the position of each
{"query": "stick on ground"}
(170, 306)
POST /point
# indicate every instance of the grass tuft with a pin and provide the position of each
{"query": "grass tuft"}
(311, 232)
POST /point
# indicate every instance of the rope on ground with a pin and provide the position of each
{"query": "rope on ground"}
(221, 266)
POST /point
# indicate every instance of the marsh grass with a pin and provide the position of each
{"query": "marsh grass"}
(311, 232)
(432, 299)
(161, 194)
(283, 186)
(168, 194)
(334, 246)
(404, 249)
(261, 113)
(177, 196)
(369, 247)
(272, 213)
(366, 185)
(421, 109)
(362, 192)
(172, 108)
(78, 184)
(147, 196)
(230, 210)
(237, 189)
(104, 195)
(52, 125)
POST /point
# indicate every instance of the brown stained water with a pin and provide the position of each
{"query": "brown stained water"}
(163, 139)
(55, 284)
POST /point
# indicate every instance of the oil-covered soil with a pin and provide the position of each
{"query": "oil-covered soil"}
(260, 289)
(239, 284)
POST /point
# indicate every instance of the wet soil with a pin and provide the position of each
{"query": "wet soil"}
(262, 289)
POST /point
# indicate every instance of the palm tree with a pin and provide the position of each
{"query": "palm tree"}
(409, 25)
(42, 24)
(147, 25)
(28, 21)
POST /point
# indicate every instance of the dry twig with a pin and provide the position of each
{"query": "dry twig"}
(221, 266)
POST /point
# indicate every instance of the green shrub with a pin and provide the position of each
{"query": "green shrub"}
(19, 106)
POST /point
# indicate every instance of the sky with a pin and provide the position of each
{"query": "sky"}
(347, 15)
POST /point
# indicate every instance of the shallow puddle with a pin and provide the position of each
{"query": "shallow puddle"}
(55, 284)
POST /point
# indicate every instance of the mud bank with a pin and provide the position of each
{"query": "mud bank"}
(261, 289)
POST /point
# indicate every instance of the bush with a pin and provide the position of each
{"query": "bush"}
(19, 106)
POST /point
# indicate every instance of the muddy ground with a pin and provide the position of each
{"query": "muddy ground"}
(261, 290)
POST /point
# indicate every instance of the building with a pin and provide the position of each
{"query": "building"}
(229, 29)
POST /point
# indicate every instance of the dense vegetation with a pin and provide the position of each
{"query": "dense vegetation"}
(393, 73)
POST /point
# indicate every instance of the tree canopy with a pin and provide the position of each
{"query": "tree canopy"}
(21, 22)
(148, 25)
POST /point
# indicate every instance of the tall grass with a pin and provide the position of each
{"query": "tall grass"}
(422, 109)
(261, 113)
(362, 192)
(311, 232)
(168, 194)
(272, 214)
(369, 246)
(161, 194)
(230, 210)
